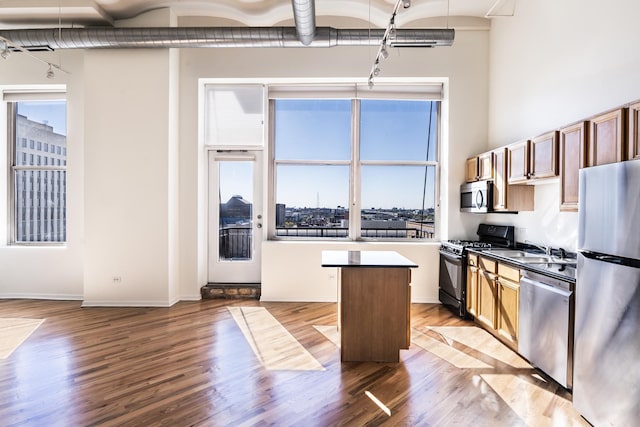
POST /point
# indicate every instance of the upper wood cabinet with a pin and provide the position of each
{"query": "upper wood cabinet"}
(518, 162)
(607, 138)
(480, 167)
(471, 173)
(508, 197)
(573, 150)
(533, 159)
(543, 156)
(634, 131)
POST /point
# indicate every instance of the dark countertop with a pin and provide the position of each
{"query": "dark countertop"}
(565, 272)
(365, 259)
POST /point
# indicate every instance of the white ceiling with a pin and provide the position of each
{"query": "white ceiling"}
(251, 13)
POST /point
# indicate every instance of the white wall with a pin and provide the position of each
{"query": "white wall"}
(131, 163)
(129, 217)
(54, 272)
(464, 66)
(553, 63)
(292, 272)
(126, 177)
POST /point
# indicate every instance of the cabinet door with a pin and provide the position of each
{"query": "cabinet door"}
(543, 159)
(508, 303)
(634, 131)
(518, 162)
(487, 298)
(485, 166)
(472, 285)
(472, 169)
(500, 179)
(573, 149)
(607, 138)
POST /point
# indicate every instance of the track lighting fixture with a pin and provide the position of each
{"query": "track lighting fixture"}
(389, 40)
(4, 51)
(50, 73)
(389, 33)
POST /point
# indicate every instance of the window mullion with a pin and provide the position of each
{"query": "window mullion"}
(354, 187)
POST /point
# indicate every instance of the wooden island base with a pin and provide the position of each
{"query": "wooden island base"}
(374, 305)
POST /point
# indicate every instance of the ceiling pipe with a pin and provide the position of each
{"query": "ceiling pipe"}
(216, 37)
(304, 16)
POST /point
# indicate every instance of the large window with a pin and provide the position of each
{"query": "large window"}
(355, 168)
(38, 188)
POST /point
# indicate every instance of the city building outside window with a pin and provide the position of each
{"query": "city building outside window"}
(355, 168)
(37, 191)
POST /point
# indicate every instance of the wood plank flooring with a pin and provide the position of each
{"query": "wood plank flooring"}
(190, 365)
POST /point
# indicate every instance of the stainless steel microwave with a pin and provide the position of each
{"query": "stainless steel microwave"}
(476, 197)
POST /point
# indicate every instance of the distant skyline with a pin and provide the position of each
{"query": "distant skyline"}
(53, 113)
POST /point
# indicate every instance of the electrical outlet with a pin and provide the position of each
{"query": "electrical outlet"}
(117, 279)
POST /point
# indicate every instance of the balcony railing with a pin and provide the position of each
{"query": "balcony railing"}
(320, 232)
(235, 243)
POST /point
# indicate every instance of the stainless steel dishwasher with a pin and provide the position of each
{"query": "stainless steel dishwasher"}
(546, 325)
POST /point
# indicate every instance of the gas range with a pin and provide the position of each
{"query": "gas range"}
(458, 247)
(453, 262)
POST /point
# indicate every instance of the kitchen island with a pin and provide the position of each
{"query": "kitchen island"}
(374, 304)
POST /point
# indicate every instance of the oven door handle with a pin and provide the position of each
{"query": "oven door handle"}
(451, 256)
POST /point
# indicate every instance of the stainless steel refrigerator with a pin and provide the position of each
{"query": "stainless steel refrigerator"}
(606, 382)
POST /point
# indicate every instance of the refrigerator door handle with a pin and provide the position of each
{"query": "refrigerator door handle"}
(611, 259)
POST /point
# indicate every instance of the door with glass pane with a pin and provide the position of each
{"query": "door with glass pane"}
(235, 216)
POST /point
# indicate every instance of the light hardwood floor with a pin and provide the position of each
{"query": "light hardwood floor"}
(192, 365)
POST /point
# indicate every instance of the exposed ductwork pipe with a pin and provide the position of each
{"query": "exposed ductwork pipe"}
(304, 15)
(198, 37)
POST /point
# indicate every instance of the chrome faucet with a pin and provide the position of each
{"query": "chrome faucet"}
(546, 249)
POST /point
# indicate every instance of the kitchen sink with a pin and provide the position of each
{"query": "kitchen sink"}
(524, 257)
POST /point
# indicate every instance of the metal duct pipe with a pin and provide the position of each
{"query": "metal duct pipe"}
(304, 15)
(196, 37)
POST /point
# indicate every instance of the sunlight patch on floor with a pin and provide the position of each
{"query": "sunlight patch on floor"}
(447, 352)
(483, 342)
(330, 332)
(272, 344)
(525, 396)
(13, 332)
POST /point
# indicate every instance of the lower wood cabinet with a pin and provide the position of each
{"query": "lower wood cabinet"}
(493, 298)
(487, 293)
(472, 285)
(508, 285)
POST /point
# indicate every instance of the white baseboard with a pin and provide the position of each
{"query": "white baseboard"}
(111, 303)
(57, 297)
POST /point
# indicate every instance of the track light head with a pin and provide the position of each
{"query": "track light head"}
(50, 73)
(4, 50)
(406, 3)
(384, 53)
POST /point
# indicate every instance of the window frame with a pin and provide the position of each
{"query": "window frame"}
(11, 98)
(354, 232)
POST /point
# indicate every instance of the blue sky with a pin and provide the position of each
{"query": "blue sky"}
(307, 130)
(52, 112)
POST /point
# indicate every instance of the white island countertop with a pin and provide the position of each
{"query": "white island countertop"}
(365, 259)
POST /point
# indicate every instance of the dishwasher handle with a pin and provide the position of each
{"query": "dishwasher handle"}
(527, 283)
